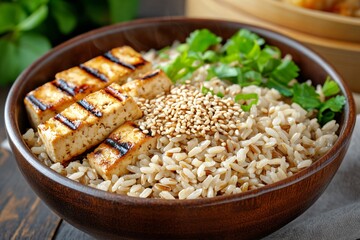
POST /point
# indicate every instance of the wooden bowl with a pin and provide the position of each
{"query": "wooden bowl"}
(106, 215)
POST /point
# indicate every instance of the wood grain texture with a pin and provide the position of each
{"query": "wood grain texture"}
(22, 214)
(66, 231)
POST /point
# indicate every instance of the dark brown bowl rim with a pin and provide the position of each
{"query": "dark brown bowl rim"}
(15, 136)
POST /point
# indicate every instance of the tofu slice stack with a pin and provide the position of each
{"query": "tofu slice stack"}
(87, 122)
(71, 85)
(127, 142)
(120, 149)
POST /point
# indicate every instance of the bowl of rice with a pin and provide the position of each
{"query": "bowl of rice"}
(247, 137)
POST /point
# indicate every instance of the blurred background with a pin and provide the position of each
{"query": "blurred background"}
(29, 28)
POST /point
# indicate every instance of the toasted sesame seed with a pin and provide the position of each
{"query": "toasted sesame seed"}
(186, 111)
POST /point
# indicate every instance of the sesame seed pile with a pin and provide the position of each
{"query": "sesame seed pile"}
(185, 110)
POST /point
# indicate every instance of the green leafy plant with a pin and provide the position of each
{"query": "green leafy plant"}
(29, 28)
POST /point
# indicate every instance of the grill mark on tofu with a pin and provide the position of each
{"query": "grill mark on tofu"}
(112, 58)
(37, 103)
(121, 147)
(90, 108)
(94, 72)
(115, 93)
(108, 55)
(151, 75)
(67, 122)
(109, 158)
(141, 63)
(134, 125)
(65, 87)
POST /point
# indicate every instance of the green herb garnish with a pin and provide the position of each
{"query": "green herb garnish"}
(247, 96)
(245, 59)
(330, 87)
(201, 40)
(329, 108)
(305, 96)
(205, 90)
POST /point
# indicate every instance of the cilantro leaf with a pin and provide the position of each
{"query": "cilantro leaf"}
(283, 90)
(201, 40)
(330, 87)
(306, 96)
(250, 35)
(251, 78)
(183, 66)
(247, 96)
(230, 58)
(285, 72)
(224, 72)
(329, 108)
(244, 42)
(268, 60)
(209, 56)
(162, 53)
(179, 68)
(242, 76)
(246, 34)
(182, 47)
(272, 51)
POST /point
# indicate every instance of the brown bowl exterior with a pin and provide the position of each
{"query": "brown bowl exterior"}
(242, 216)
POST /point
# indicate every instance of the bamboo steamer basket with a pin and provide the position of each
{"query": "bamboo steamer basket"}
(288, 20)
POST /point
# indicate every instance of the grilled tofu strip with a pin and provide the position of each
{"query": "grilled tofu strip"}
(123, 145)
(148, 86)
(87, 122)
(120, 149)
(39, 103)
(74, 84)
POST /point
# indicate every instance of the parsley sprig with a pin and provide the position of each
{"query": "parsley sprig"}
(246, 59)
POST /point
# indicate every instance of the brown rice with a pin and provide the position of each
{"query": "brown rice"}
(209, 146)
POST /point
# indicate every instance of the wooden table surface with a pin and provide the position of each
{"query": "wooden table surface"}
(22, 214)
